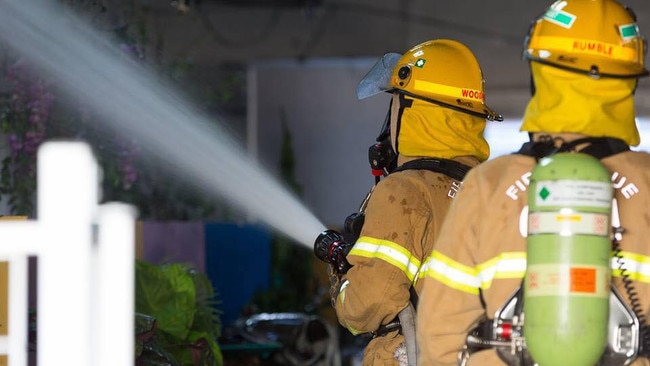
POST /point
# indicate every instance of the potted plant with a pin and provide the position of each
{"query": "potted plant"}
(177, 322)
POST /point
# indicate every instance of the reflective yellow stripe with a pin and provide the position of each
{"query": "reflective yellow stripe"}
(352, 330)
(389, 252)
(637, 266)
(451, 273)
(587, 46)
(466, 93)
(505, 265)
(513, 265)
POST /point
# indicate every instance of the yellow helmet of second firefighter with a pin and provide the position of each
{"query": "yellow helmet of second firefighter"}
(571, 35)
(441, 71)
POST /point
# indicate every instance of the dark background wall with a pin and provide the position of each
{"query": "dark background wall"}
(210, 32)
(297, 63)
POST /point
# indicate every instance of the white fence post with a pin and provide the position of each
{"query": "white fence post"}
(115, 287)
(85, 281)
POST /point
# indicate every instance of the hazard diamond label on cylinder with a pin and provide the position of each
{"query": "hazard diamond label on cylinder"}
(573, 193)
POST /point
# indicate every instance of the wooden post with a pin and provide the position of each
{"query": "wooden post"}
(4, 294)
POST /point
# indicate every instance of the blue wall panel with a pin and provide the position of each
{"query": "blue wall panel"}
(238, 262)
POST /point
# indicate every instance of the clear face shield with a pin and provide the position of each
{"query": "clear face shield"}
(381, 154)
(377, 80)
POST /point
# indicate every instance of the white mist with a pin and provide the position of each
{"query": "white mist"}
(131, 99)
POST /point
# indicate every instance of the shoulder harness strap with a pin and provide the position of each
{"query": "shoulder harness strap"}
(599, 147)
(450, 168)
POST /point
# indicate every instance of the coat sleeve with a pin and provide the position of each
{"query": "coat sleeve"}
(384, 265)
(640, 362)
(450, 305)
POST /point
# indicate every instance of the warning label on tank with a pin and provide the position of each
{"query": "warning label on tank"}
(563, 280)
(568, 223)
(573, 193)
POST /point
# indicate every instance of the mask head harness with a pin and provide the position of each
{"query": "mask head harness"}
(381, 155)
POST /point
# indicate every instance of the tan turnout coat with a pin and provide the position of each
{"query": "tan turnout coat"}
(482, 233)
(403, 217)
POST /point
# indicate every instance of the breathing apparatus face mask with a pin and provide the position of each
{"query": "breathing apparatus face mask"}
(381, 155)
(383, 160)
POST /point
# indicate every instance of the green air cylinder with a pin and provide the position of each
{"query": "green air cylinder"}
(568, 275)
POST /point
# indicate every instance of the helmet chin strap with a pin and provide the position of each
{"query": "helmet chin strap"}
(488, 116)
(532, 81)
(593, 72)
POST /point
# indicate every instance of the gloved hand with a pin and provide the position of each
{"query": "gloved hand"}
(335, 283)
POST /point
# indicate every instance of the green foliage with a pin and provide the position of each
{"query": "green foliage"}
(183, 305)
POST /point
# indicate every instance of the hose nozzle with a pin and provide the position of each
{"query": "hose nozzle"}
(331, 248)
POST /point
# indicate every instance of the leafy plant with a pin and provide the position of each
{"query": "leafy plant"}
(177, 320)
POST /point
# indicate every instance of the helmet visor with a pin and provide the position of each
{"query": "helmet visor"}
(377, 80)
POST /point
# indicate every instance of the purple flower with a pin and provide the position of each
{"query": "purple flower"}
(15, 144)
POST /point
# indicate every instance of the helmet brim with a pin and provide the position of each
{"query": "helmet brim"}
(377, 80)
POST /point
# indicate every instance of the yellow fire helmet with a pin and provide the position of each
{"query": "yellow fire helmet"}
(444, 72)
(595, 37)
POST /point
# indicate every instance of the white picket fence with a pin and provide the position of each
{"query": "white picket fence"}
(85, 255)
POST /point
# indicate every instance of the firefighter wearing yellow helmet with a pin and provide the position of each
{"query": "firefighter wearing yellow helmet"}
(436, 120)
(585, 58)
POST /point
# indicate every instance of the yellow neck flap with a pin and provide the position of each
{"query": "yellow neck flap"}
(426, 129)
(570, 102)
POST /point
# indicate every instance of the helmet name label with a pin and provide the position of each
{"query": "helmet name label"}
(593, 47)
(449, 91)
(472, 94)
(581, 46)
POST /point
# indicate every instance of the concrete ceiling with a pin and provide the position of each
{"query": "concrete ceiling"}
(210, 32)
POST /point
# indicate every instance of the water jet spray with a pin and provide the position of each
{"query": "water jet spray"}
(129, 98)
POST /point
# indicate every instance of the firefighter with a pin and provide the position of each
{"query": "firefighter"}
(585, 59)
(436, 119)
